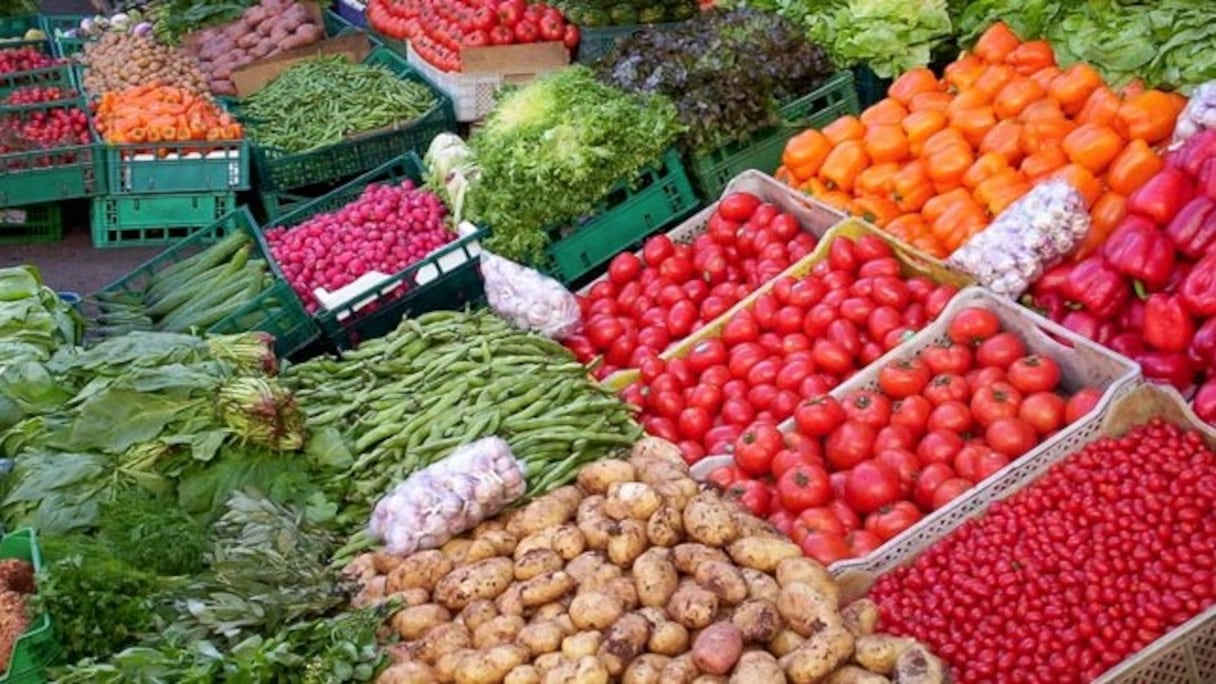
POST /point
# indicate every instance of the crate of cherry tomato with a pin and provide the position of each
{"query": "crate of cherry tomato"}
(712, 258)
(1098, 551)
(881, 459)
(797, 337)
(47, 149)
(27, 66)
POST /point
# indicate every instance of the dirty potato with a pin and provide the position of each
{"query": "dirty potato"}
(878, 652)
(689, 555)
(851, 674)
(499, 630)
(541, 637)
(760, 585)
(758, 620)
(627, 542)
(422, 570)
(623, 642)
(667, 637)
(757, 667)
(550, 510)
(761, 553)
(554, 610)
(722, 580)
(917, 665)
(807, 611)
(523, 674)
(680, 670)
(441, 640)
(655, 577)
(717, 648)
(413, 622)
(786, 641)
(478, 612)
(665, 527)
(631, 500)
(707, 520)
(578, 645)
(597, 477)
(491, 665)
(646, 669)
(595, 611)
(546, 588)
(692, 606)
(581, 566)
(807, 571)
(568, 541)
(511, 601)
(678, 492)
(860, 617)
(484, 579)
(818, 656)
(537, 562)
(407, 673)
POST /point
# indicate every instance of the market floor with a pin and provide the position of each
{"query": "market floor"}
(73, 264)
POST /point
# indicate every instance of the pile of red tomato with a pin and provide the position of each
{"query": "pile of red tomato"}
(647, 303)
(438, 29)
(797, 340)
(857, 471)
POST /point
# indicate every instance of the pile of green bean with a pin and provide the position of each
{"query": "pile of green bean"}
(324, 100)
(448, 378)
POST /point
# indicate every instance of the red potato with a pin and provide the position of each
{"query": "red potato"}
(717, 648)
(248, 41)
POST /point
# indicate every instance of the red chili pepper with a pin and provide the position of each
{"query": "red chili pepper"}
(1205, 402)
(1098, 287)
(1199, 289)
(1167, 325)
(1206, 180)
(1169, 367)
(1196, 151)
(1140, 251)
(1193, 229)
(1162, 196)
(1203, 345)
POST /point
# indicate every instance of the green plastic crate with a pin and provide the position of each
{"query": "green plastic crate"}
(658, 197)
(280, 172)
(596, 42)
(712, 171)
(154, 220)
(36, 648)
(33, 224)
(13, 29)
(60, 76)
(276, 204)
(446, 279)
(41, 176)
(211, 166)
(276, 311)
(56, 26)
(870, 88)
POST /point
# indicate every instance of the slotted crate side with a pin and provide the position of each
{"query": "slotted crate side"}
(36, 648)
(162, 167)
(870, 87)
(440, 278)
(762, 149)
(146, 220)
(57, 27)
(14, 29)
(59, 76)
(631, 213)
(279, 171)
(37, 223)
(277, 311)
(50, 175)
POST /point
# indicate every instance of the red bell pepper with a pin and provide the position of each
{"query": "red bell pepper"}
(1205, 402)
(1196, 151)
(1203, 345)
(1096, 286)
(1054, 280)
(1162, 196)
(1182, 269)
(1138, 250)
(1199, 289)
(1131, 318)
(1128, 344)
(1167, 325)
(1206, 182)
(1168, 367)
(1193, 229)
(1082, 323)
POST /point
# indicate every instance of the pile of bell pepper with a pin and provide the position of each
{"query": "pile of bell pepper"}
(1149, 293)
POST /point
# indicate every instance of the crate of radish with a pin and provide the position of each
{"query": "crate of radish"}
(374, 251)
(22, 67)
(27, 638)
(219, 280)
(1091, 562)
(47, 149)
(678, 282)
(857, 296)
(883, 459)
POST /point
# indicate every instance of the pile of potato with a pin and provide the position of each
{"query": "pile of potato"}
(117, 61)
(632, 575)
(268, 27)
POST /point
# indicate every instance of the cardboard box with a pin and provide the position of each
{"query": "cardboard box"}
(511, 60)
(251, 78)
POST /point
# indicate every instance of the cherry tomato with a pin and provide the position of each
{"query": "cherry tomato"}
(972, 325)
(742, 327)
(1031, 374)
(1000, 350)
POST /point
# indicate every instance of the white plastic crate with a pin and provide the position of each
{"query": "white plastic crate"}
(1083, 363)
(473, 95)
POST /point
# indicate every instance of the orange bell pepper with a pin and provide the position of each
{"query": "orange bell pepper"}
(1039, 135)
(1093, 147)
(1045, 76)
(1001, 190)
(986, 166)
(782, 174)
(993, 79)
(1106, 215)
(815, 187)
(875, 181)
(885, 143)
(1005, 139)
(919, 126)
(912, 83)
(877, 210)
(962, 73)
(1031, 56)
(1016, 96)
(1149, 116)
(942, 140)
(1100, 107)
(837, 199)
(1079, 177)
(1045, 109)
(929, 245)
(935, 101)
(804, 154)
(995, 44)
(959, 221)
(845, 128)
(907, 227)
(1133, 167)
(937, 206)
(973, 123)
(842, 165)
(911, 186)
(1040, 164)
(969, 99)
(1073, 87)
(885, 111)
(946, 168)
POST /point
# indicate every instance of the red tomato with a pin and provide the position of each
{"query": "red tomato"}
(1000, 350)
(786, 459)
(784, 403)
(738, 206)
(706, 354)
(796, 342)
(803, 487)
(869, 407)
(936, 301)
(890, 290)
(724, 476)
(847, 516)
(972, 325)
(787, 320)
(825, 548)
(990, 403)
(895, 437)
(737, 412)
(1010, 436)
(901, 379)
(950, 490)
(761, 396)
(764, 372)
(817, 319)
(990, 463)
(657, 249)
(872, 248)
(819, 416)
(967, 461)
(871, 486)
(743, 356)
(939, 446)
(814, 386)
(755, 448)
(849, 444)
(721, 438)
(821, 519)
(842, 256)
(666, 404)
(889, 521)
(902, 462)
(694, 422)
(862, 542)
(947, 357)
(662, 427)
(982, 377)
(752, 494)
(947, 387)
(883, 319)
(781, 519)
(1043, 411)
(857, 309)
(691, 451)
(912, 413)
(1081, 404)
(951, 416)
(602, 331)
(742, 327)
(1031, 374)
(845, 333)
(681, 317)
(927, 483)
(714, 306)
